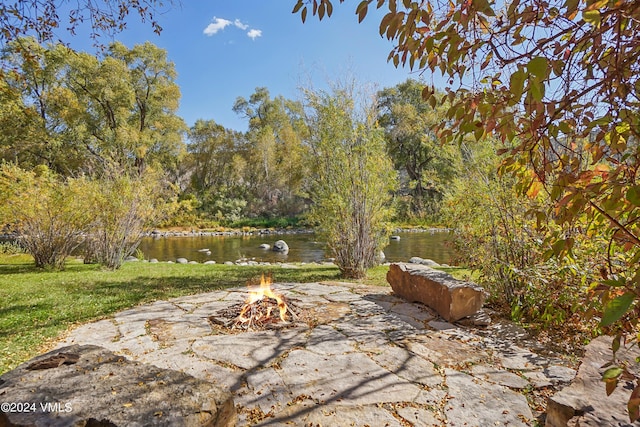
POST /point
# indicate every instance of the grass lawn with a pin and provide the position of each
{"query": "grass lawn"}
(37, 306)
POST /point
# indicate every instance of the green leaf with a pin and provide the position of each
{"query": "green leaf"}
(571, 5)
(516, 84)
(615, 345)
(478, 133)
(615, 283)
(591, 17)
(558, 247)
(633, 195)
(538, 67)
(564, 127)
(612, 373)
(484, 7)
(616, 308)
(537, 89)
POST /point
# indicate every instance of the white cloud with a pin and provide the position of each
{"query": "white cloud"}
(240, 25)
(217, 25)
(253, 33)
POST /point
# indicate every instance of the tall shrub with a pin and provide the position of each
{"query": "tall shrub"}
(499, 234)
(124, 208)
(353, 178)
(49, 213)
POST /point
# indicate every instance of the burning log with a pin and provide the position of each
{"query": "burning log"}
(259, 310)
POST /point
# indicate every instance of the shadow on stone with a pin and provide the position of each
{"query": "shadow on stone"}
(102, 389)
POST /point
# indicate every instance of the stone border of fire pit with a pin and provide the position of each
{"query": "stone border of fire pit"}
(369, 358)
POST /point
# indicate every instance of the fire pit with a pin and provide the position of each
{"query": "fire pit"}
(263, 309)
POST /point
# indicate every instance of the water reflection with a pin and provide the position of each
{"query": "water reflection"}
(303, 248)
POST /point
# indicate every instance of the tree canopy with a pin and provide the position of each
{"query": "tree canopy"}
(427, 165)
(81, 111)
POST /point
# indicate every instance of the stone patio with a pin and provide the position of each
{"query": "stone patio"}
(368, 358)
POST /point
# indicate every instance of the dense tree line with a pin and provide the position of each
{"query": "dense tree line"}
(78, 113)
(91, 121)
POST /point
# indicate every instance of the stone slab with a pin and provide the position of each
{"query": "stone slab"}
(408, 366)
(585, 402)
(92, 384)
(265, 390)
(420, 417)
(318, 289)
(96, 333)
(350, 378)
(499, 376)
(474, 402)
(521, 359)
(442, 351)
(307, 413)
(326, 340)
(417, 311)
(241, 350)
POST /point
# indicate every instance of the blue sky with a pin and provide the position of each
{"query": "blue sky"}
(225, 49)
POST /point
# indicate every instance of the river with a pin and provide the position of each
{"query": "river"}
(302, 248)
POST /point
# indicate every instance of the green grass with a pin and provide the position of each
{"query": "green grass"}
(37, 306)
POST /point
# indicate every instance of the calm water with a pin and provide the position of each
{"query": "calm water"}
(302, 248)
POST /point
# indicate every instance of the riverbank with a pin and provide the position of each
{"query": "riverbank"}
(246, 231)
(250, 231)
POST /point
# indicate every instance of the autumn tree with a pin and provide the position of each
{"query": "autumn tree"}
(123, 206)
(561, 80)
(32, 90)
(218, 166)
(275, 152)
(153, 116)
(426, 165)
(50, 212)
(85, 112)
(352, 177)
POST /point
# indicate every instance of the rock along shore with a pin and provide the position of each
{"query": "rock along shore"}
(268, 231)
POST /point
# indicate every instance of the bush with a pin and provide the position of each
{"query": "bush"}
(125, 207)
(352, 183)
(50, 212)
(11, 248)
(498, 235)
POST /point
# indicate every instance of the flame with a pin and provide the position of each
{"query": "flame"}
(256, 295)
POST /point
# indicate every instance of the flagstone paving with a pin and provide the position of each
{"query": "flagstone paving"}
(365, 357)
